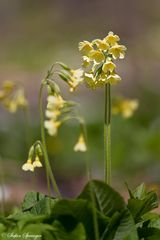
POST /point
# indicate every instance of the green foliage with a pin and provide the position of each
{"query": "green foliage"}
(74, 219)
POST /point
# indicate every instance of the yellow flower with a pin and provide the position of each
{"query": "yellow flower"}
(11, 105)
(52, 126)
(101, 44)
(80, 145)
(108, 66)
(90, 80)
(20, 99)
(113, 79)
(37, 162)
(86, 61)
(28, 166)
(76, 78)
(8, 85)
(111, 38)
(128, 107)
(96, 55)
(118, 51)
(85, 47)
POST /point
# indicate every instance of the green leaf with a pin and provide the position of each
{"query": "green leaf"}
(122, 226)
(139, 207)
(30, 199)
(72, 212)
(78, 233)
(38, 203)
(107, 200)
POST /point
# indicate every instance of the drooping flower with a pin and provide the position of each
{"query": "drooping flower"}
(28, 166)
(96, 55)
(52, 126)
(55, 102)
(85, 47)
(113, 78)
(80, 145)
(76, 77)
(101, 44)
(108, 66)
(37, 162)
(118, 51)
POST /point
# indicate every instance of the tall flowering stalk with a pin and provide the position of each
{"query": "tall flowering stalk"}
(99, 70)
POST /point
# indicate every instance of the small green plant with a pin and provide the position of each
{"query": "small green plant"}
(99, 212)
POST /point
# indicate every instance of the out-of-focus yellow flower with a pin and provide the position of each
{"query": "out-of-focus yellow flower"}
(20, 98)
(126, 107)
(8, 85)
(112, 39)
(85, 47)
(52, 126)
(11, 105)
(76, 77)
(37, 162)
(96, 55)
(101, 44)
(118, 51)
(28, 166)
(80, 145)
(108, 66)
(113, 79)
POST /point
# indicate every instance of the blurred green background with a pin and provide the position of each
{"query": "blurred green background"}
(33, 35)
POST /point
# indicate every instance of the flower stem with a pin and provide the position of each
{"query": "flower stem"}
(107, 134)
(49, 172)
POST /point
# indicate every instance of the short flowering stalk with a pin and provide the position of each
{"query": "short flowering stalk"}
(107, 134)
(49, 172)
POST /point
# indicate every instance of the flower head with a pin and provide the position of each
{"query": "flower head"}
(80, 145)
(99, 60)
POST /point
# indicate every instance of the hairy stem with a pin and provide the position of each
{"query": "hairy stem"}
(107, 134)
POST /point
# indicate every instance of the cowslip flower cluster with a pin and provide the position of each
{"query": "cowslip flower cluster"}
(98, 60)
(12, 96)
(56, 111)
(33, 161)
(125, 107)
